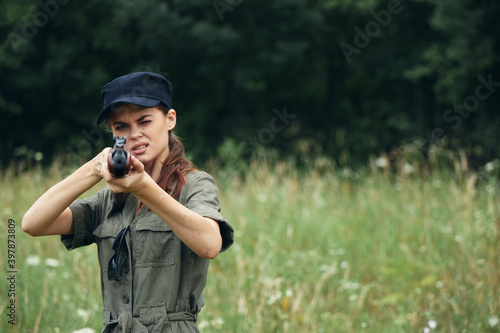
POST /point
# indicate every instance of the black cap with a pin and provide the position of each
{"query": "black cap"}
(142, 88)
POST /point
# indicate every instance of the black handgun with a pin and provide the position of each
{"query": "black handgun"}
(119, 163)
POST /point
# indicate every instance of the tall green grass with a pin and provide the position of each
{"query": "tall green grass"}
(320, 249)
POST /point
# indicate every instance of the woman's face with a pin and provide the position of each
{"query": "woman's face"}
(146, 130)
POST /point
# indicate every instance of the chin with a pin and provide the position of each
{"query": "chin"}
(141, 158)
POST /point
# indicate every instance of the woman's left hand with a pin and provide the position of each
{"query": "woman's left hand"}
(128, 183)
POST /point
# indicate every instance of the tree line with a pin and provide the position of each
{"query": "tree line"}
(344, 79)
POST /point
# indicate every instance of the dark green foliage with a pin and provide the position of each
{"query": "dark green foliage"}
(355, 78)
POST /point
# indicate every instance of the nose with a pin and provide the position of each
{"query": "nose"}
(135, 132)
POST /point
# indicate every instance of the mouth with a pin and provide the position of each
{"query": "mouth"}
(139, 148)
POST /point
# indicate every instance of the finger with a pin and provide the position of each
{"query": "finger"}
(105, 171)
(105, 153)
(137, 166)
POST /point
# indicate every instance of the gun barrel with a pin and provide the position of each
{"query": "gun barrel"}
(119, 158)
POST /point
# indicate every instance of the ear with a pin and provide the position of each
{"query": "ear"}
(171, 119)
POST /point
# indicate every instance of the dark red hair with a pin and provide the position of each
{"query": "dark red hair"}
(174, 167)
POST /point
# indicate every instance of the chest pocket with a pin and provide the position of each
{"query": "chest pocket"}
(155, 244)
(104, 236)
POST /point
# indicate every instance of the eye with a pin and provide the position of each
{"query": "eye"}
(120, 127)
(145, 122)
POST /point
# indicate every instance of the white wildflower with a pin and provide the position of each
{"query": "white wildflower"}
(381, 162)
(203, 324)
(323, 268)
(33, 260)
(408, 169)
(84, 314)
(217, 322)
(490, 166)
(350, 285)
(52, 262)
(493, 321)
(38, 156)
(336, 252)
(274, 298)
(85, 330)
(447, 229)
(432, 324)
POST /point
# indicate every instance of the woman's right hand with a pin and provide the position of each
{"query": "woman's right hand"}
(100, 161)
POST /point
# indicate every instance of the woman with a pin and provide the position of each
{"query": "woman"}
(155, 241)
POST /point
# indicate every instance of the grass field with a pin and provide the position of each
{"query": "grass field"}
(323, 250)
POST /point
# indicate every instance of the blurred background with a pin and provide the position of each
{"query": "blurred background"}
(354, 143)
(335, 78)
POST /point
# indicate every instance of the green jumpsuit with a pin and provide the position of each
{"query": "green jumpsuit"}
(163, 288)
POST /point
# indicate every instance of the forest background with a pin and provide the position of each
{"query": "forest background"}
(354, 144)
(342, 79)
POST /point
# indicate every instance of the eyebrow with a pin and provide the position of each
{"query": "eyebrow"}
(142, 118)
(125, 123)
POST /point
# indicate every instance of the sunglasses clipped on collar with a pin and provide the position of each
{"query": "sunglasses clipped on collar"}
(118, 264)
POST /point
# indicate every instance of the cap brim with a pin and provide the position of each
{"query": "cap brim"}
(141, 101)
